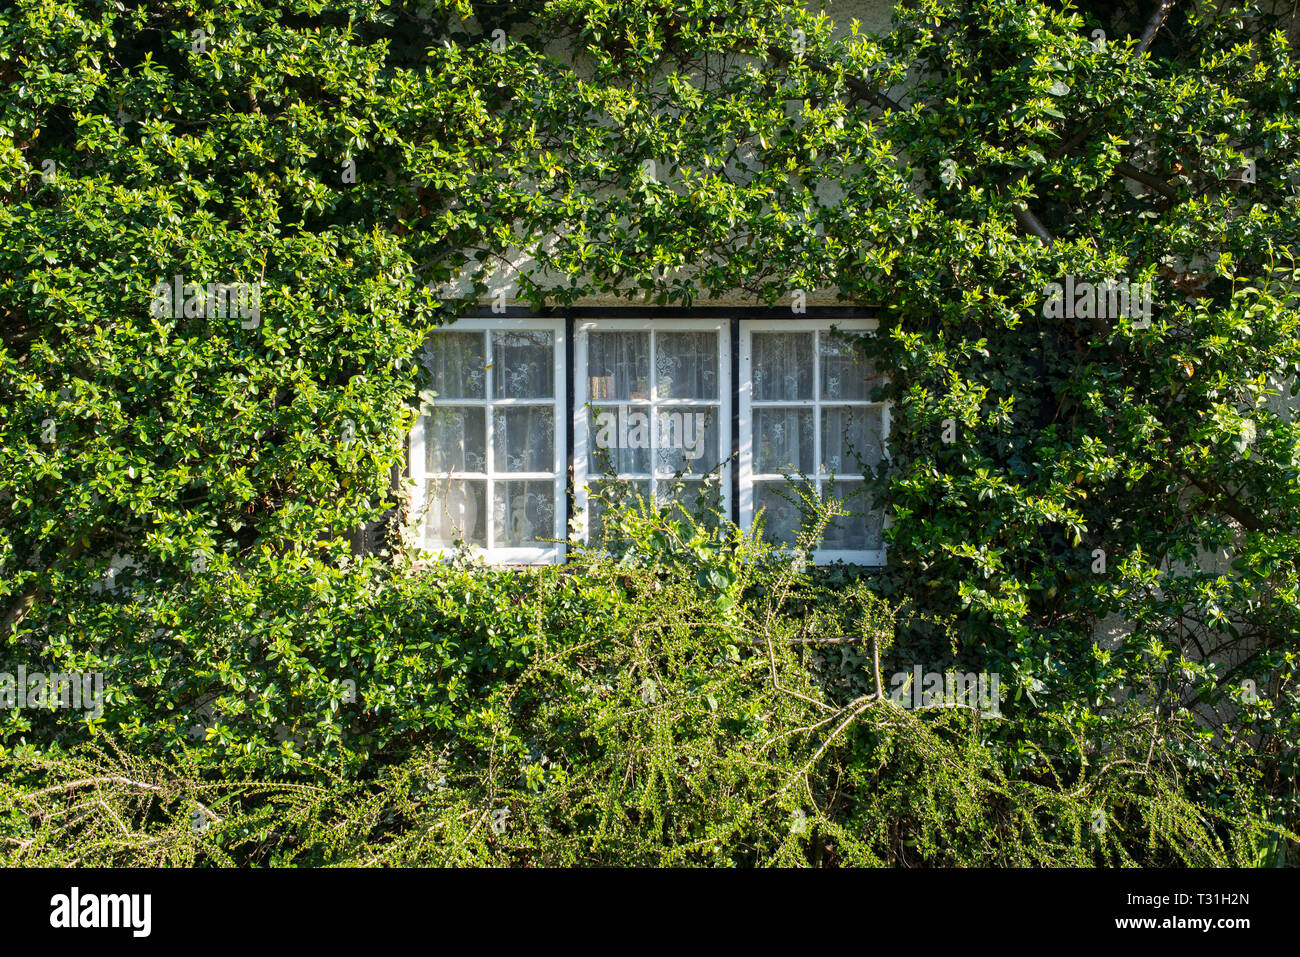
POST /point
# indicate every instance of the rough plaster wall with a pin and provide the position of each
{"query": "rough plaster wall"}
(872, 15)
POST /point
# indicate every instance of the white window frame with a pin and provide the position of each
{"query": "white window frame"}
(745, 460)
(581, 426)
(543, 555)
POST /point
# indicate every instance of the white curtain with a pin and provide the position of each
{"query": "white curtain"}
(851, 438)
(523, 439)
(844, 374)
(454, 361)
(455, 439)
(686, 365)
(782, 366)
(618, 365)
(523, 364)
(522, 512)
(783, 440)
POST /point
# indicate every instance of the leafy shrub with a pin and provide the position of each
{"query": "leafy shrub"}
(619, 712)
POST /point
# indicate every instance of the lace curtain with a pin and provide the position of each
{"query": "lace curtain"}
(852, 438)
(685, 366)
(521, 512)
(844, 374)
(784, 436)
(524, 439)
(626, 390)
(618, 366)
(455, 363)
(523, 365)
(783, 440)
(782, 366)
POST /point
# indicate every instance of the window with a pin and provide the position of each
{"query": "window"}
(653, 410)
(650, 403)
(487, 454)
(805, 409)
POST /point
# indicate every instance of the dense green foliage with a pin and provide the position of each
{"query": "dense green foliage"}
(745, 727)
(229, 460)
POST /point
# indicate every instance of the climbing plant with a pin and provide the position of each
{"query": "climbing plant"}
(225, 233)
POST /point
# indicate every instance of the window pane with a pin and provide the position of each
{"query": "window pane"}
(455, 439)
(523, 365)
(844, 374)
(620, 439)
(783, 440)
(782, 515)
(782, 365)
(455, 364)
(852, 438)
(612, 493)
(455, 512)
(523, 439)
(618, 365)
(687, 440)
(686, 365)
(523, 514)
(690, 497)
(862, 527)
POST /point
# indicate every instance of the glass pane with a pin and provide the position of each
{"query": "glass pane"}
(455, 364)
(852, 438)
(455, 513)
(686, 365)
(523, 514)
(844, 374)
(523, 439)
(687, 440)
(783, 440)
(620, 439)
(782, 366)
(523, 365)
(782, 516)
(612, 493)
(862, 527)
(455, 439)
(618, 365)
(691, 497)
